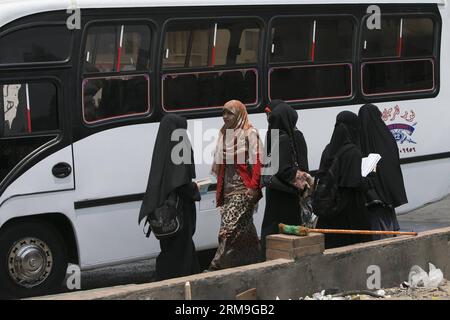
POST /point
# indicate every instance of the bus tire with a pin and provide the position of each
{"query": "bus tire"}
(33, 260)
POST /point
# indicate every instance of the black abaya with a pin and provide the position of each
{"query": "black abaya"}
(352, 186)
(284, 207)
(178, 256)
(352, 211)
(382, 218)
(165, 175)
(387, 181)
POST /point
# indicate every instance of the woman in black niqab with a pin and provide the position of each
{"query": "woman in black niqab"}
(286, 121)
(386, 184)
(351, 185)
(346, 131)
(281, 206)
(178, 255)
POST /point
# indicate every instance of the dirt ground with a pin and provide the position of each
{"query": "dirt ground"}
(440, 293)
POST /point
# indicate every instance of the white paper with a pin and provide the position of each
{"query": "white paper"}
(369, 164)
(203, 184)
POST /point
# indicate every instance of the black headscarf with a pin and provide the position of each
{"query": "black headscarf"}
(353, 125)
(270, 107)
(274, 103)
(377, 138)
(346, 131)
(284, 118)
(165, 175)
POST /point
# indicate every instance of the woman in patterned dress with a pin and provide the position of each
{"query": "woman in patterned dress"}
(237, 165)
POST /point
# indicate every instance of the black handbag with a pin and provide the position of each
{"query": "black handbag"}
(273, 182)
(167, 220)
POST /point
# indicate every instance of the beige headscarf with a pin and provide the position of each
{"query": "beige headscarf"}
(231, 144)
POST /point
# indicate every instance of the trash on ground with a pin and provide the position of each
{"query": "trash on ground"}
(420, 286)
(418, 278)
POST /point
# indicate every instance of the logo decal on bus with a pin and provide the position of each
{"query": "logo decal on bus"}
(402, 132)
(402, 126)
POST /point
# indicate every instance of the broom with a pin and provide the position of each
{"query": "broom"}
(303, 231)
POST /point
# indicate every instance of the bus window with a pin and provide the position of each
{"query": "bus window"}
(310, 39)
(116, 83)
(114, 97)
(311, 58)
(37, 44)
(399, 37)
(418, 36)
(248, 47)
(203, 44)
(407, 46)
(209, 89)
(311, 82)
(100, 49)
(382, 42)
(117, 48)
(398, 77)
(334, 40)
(29, 119)
(231, 45)
(291, 40)
(243, 46)
(223, 38)
(187, 48)
(29, 108)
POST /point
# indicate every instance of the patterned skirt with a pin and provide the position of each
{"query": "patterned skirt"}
(238, 240)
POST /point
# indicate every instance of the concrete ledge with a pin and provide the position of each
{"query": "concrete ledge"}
(345, 268)
(226, 284)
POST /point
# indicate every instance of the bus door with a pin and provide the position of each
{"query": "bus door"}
(36, 154)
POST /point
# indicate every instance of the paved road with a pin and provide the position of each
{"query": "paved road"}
(138, 272)
(432, 216)
(131, 273)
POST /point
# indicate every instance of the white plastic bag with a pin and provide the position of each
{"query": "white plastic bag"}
(435, 276)
(418, 278)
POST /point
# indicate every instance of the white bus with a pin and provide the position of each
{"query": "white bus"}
(84, 91)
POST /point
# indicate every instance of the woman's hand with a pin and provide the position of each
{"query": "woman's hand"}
(310, 181)
(301, 180)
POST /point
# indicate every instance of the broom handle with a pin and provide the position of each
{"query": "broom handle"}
(342, 231)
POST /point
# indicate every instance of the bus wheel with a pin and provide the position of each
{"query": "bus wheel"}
(33, 260)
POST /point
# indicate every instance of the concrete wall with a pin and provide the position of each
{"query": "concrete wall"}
(344, 268)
